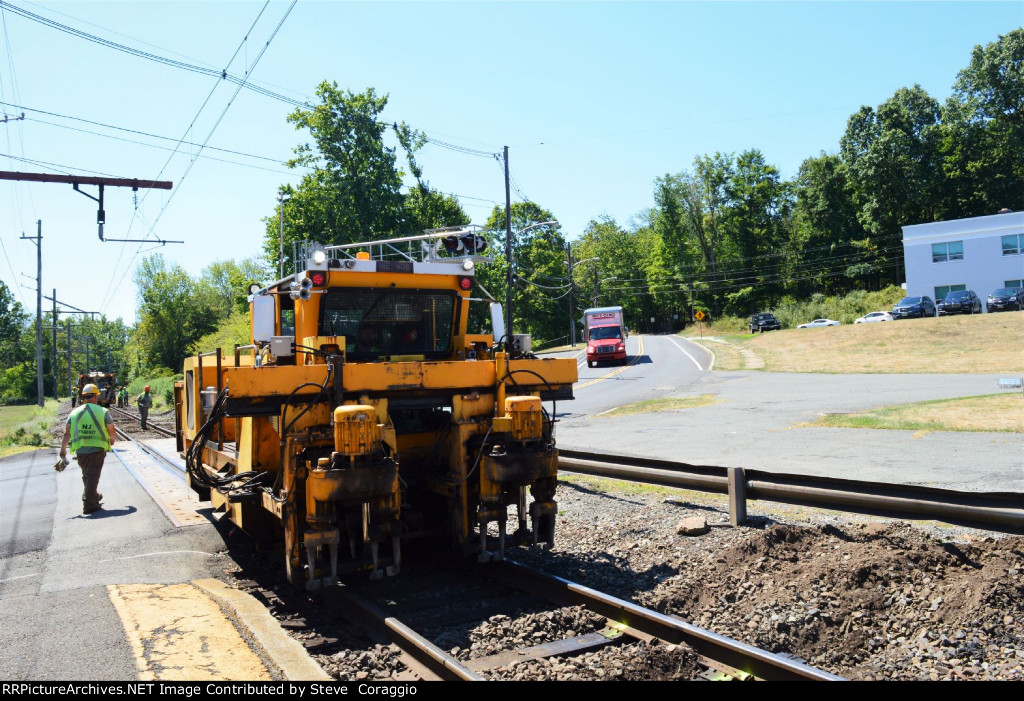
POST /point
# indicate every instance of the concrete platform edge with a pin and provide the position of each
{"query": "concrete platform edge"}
(286, 653)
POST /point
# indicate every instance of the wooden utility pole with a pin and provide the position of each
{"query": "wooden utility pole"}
(510, 277)
(38, 239)
(572, 313)
(54, 322)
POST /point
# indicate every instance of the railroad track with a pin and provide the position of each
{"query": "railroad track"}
(159, 458)
(151, 426)
(422, 613)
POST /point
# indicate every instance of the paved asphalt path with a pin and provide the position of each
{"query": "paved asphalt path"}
(55, 565)
(757, 422)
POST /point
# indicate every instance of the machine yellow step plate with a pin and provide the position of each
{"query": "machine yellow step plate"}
(165, 485)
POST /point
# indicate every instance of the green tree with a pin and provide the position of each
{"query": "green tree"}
(690, 211)
(174, 312)
(17, 357)
(353, 190)
(231, 280)
(430, 209)
(892, 158)
(983, 131)
(540, 295)
(13, 321)
(825, 228)
(755, 223)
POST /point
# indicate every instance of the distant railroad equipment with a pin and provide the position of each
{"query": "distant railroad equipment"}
(365, 414)
(107, 383)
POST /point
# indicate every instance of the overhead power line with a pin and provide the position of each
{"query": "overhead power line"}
(241, 81)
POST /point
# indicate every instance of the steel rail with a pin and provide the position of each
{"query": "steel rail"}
(717, 648)
(150, 425)
(436, 661)
(162, 460)
(998, 511)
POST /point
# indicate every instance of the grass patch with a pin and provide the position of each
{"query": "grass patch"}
(604, 485)
(26, 427)
(648, 406)
(727, 351)
(990, 412)
(988, 343)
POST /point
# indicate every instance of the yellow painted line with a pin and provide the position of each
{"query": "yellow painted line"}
(177, 633)
(613, 373)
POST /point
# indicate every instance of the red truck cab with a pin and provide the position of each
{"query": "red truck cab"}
(605, 343)
(605, 334)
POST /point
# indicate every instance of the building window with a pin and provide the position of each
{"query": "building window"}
(954, 250)
(1013, 283)
(1013, 245)
(941, 292)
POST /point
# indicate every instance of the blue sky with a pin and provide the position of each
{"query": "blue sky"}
(594, 99)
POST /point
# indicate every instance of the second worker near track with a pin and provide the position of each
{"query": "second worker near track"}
(144, 401)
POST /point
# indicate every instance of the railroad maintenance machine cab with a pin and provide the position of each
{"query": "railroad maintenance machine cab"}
(107, 383)
(365, 417)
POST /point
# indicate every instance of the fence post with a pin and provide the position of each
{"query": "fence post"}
(737, 496)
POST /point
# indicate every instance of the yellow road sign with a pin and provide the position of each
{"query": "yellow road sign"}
(699, 315)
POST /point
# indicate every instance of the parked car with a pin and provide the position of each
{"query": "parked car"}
(909, 307)
(960, 302)
(874, 316)
(759, 323)
(818, 322)
(1006, 299)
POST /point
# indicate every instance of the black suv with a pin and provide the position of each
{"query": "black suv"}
(960, 302)
(1006, 299)
(759, 323)
(910, 307)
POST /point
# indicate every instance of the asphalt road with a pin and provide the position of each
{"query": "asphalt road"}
(56, 564)
(757, 422)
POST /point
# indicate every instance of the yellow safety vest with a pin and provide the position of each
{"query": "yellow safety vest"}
(89, 428)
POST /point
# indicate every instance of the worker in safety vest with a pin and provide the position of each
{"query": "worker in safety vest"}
(144, 401)
(123, 398)
(90, 430)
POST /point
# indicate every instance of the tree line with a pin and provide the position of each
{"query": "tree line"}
(726, 235)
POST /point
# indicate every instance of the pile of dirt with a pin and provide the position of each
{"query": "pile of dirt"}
(861, 597)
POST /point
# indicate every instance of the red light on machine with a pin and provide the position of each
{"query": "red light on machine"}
(466, 283)
(319, 279)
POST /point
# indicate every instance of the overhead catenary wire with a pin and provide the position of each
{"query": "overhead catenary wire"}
(212, 130)
(242, 81)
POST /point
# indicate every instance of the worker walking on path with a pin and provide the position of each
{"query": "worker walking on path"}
(90, 431)
(144, 402)
(122, 398)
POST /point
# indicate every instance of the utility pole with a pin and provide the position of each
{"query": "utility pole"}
(54, 327)
(597, 287)
(572, 313)
(71, 390)
(56, 322)
(38, 240)
(510, 277)
(280, 211)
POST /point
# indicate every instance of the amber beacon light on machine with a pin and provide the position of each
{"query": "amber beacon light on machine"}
(365, 416)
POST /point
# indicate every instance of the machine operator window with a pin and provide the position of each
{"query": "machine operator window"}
(383, 323)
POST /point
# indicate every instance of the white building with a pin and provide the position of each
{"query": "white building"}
(980, 254)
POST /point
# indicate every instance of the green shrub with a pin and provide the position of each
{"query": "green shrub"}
(161, 388)
(791, 312)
